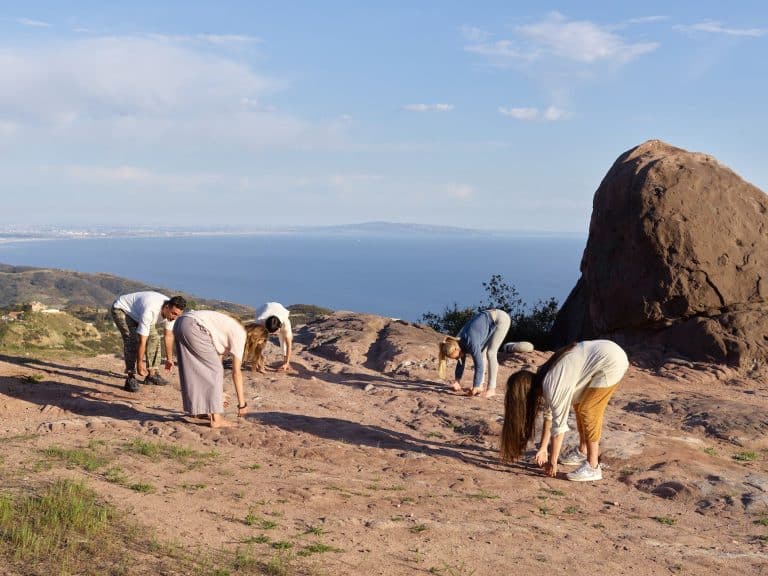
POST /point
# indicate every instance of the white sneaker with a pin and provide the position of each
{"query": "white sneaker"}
(572, 457)
(585, 473)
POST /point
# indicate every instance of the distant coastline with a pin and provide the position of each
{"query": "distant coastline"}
(367, 229)
(396, 274)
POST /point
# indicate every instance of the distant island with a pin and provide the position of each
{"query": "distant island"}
(21, 233)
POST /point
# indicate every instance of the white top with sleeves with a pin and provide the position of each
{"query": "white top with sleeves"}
(276, 309)
(591, 364)
(144, 308)
(228, 334)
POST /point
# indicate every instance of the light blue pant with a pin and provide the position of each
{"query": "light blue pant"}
(502, 321)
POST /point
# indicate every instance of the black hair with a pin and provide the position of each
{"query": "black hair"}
(177, 302)
(272, 324)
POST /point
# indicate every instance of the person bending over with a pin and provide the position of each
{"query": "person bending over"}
(584, 376)
(203, 337)
(274, 317)
(481, 338)
(137, 316)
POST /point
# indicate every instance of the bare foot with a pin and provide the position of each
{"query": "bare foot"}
(490, 393)
(456, 387)
(218, 421)
(474, 392)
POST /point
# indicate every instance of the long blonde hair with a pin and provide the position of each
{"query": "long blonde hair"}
(256, 340)
(446, 348)
(521, 405)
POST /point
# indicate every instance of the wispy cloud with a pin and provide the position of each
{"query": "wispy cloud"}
(33, 23)
(550, 114)
(460, 191)
(136, 177)
(501, 52)
(647, 19)
(714, 27)
(520, 113)
(150, 91)
(557, 37)
(428, 107)
(344, 180)
(554, 113)
(230, 39)
(582, 40)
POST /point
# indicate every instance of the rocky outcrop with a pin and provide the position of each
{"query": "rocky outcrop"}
(677, 258)
(377, 343)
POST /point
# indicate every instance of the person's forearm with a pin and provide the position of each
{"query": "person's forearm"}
(169, 346)
(141, 351)
(237, 379)
(557, 445)
(546, 430)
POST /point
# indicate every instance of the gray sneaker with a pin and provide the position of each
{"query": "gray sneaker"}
(131, 384)
(585, 473)
(572, 457)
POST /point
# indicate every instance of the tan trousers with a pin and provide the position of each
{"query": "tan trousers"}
(589, 412)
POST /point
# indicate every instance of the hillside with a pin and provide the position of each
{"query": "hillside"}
(67, 289)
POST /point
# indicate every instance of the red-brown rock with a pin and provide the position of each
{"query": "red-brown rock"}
(677, 258)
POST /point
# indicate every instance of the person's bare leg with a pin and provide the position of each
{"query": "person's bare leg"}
(592, 452)
(218, 421)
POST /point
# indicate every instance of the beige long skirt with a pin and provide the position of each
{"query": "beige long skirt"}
(200, 368)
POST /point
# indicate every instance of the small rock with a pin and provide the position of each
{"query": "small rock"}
(518, 347)
(368, 387)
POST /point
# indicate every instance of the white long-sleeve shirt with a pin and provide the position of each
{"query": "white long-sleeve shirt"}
(591, 364)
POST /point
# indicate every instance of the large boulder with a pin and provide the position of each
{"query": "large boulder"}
(677, 257)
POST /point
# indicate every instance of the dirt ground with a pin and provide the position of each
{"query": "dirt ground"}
(396, 475)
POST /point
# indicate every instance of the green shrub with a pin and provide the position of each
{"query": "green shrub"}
(530, 325)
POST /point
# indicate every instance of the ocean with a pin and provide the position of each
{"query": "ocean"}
(399, 276)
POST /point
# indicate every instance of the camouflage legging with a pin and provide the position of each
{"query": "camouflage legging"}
(127, 327)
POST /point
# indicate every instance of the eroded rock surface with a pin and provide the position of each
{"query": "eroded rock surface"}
(677, 259)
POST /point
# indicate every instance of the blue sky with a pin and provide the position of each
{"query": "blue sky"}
(492, 115)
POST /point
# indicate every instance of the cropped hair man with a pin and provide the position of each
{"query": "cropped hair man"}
(137, 316)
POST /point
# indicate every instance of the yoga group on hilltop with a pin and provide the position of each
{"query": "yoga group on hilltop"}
(200, 339)
(581, 376)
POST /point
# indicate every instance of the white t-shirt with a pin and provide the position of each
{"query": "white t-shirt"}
(591, 364)
(264, 311)
(144, 308)
(228, 334)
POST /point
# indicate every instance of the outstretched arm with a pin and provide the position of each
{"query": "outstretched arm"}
(141, 351)
(287, 347)
(168, 339)
(550, 468)
(237, 379)
(543, 452)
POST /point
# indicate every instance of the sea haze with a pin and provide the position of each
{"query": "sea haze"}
(398, 275)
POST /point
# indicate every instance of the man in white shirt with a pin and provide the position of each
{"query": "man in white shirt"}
(136, 316)
(274, 317)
